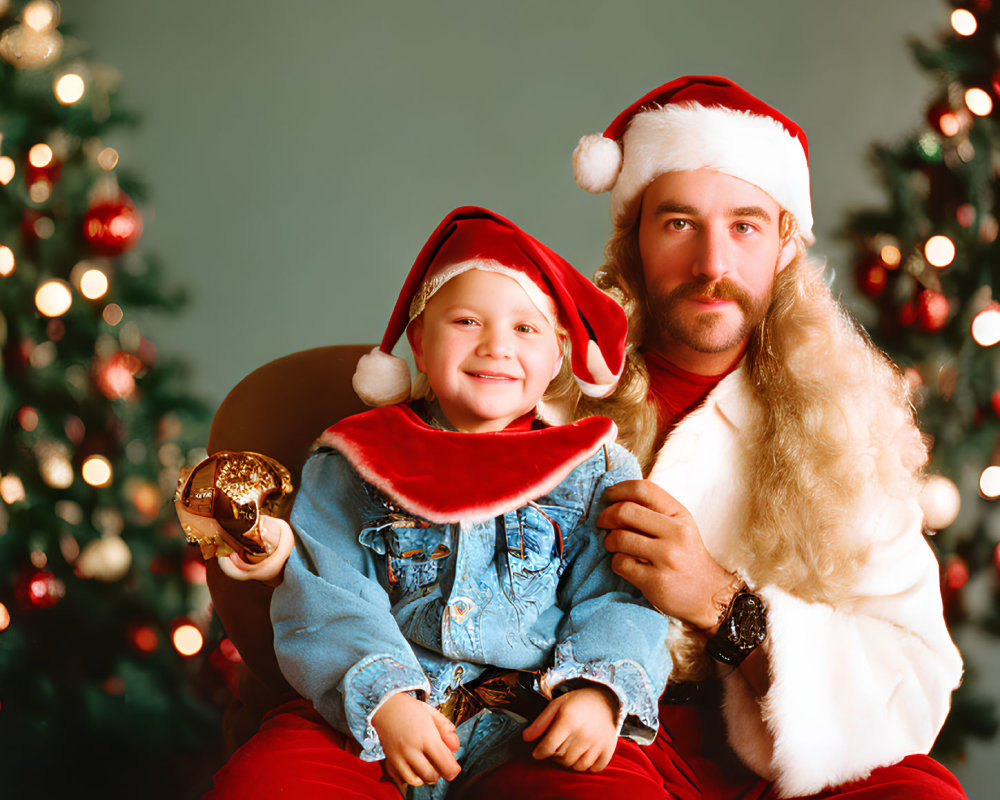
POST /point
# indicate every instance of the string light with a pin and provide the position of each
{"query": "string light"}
(978, 102)
(40, 155)
(890, 255)
(96, 471)
(949, 123)
(187, 639)
(53, 298)
(69, 88)
(107, 159)
(939, 251)
(93, 284)
(989, 482)
(6, 261)
(963, 22)
(40, 15)
(11, 489)
(7, 170)
(986, 326)
(112, 314)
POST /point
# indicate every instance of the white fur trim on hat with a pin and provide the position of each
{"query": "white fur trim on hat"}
(597, 161)
(689, 136)
(381, 379)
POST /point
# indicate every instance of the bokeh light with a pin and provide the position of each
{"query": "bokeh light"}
(11, 489)
(4, 617)
(112, 314)
(963, 22)
(53, 298)
(40, 155)
(949, 123)
(107, 159)
(187, 639)
(96, 471)
(40, 15)
(989, 482)
(7, 170)
(93, 284)
(6, 260)
(978, 102)
(986, 326)
(939, 251)
(69, 88)
(890, 255)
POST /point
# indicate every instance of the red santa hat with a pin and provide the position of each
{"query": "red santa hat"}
(476, 238)
(698, 122)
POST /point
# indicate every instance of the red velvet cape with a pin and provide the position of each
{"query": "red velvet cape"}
(450, 476)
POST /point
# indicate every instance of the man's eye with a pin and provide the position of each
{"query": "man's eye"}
(743, 227)
(679, 224)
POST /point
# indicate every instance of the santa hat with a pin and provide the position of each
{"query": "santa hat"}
(698, 122)
(476, 238)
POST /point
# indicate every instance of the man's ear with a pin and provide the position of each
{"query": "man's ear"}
(787, 255)
(415, 336)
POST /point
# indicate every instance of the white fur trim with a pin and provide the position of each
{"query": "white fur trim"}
(690, 136)
(596, 163)
(381, 379)
(435, 281)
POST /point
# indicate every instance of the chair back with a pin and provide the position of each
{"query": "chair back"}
(279, 410)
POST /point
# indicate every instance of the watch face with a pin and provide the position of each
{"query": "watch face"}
(747, 623)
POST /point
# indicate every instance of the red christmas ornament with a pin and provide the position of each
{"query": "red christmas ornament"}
(872, 276)
(907, 314)
(932, 310)
(954, 576)
(112, 227)
(995, 402)
(39, 588)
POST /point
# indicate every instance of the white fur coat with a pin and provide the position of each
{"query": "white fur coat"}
(853, 686)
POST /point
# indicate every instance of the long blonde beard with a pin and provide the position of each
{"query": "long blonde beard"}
(835, 426)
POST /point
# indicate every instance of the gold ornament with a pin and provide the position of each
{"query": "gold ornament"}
(220, 500)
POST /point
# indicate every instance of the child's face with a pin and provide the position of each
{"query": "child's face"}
(488, 352)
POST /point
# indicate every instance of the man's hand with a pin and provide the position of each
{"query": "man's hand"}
(579, 727)
(418, 740)
(656, 546)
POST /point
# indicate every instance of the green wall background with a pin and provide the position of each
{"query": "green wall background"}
(299, 153)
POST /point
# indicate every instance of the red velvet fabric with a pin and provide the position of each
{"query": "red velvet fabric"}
(476, 475)
(296, 755)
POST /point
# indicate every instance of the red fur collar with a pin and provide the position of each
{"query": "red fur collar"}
(447, 476)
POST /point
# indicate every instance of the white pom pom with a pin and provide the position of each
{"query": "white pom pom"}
(381, 379)
(596, 163)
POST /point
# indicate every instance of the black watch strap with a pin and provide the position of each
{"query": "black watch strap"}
(743, 626)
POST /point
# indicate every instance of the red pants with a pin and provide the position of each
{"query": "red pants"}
(296, 755)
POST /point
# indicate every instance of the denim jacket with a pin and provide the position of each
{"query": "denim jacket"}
(375, 601)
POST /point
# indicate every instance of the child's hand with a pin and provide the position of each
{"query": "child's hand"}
(580, 729)
(418, 740)
(277, 537)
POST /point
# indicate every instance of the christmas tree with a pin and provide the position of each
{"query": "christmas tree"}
(110, 676)
(929, 266)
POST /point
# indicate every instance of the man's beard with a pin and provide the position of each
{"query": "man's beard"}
(704, 332)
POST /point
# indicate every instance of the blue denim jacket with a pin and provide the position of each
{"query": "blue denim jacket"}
(375, 601)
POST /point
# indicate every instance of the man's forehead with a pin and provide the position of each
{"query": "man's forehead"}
(704, 190)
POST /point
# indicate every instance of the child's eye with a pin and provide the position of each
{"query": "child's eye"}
(524, 328)
(465, 322)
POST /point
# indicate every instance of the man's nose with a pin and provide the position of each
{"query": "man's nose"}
(712, 261)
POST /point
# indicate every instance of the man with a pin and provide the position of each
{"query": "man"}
(779, 522)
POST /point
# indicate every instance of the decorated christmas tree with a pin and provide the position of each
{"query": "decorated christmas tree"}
(929, 265)
(110, 678)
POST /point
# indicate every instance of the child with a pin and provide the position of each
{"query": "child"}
(446, 560)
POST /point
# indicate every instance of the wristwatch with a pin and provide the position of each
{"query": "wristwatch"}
(742, 627)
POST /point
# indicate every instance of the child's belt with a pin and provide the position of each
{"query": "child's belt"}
(505, 690)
